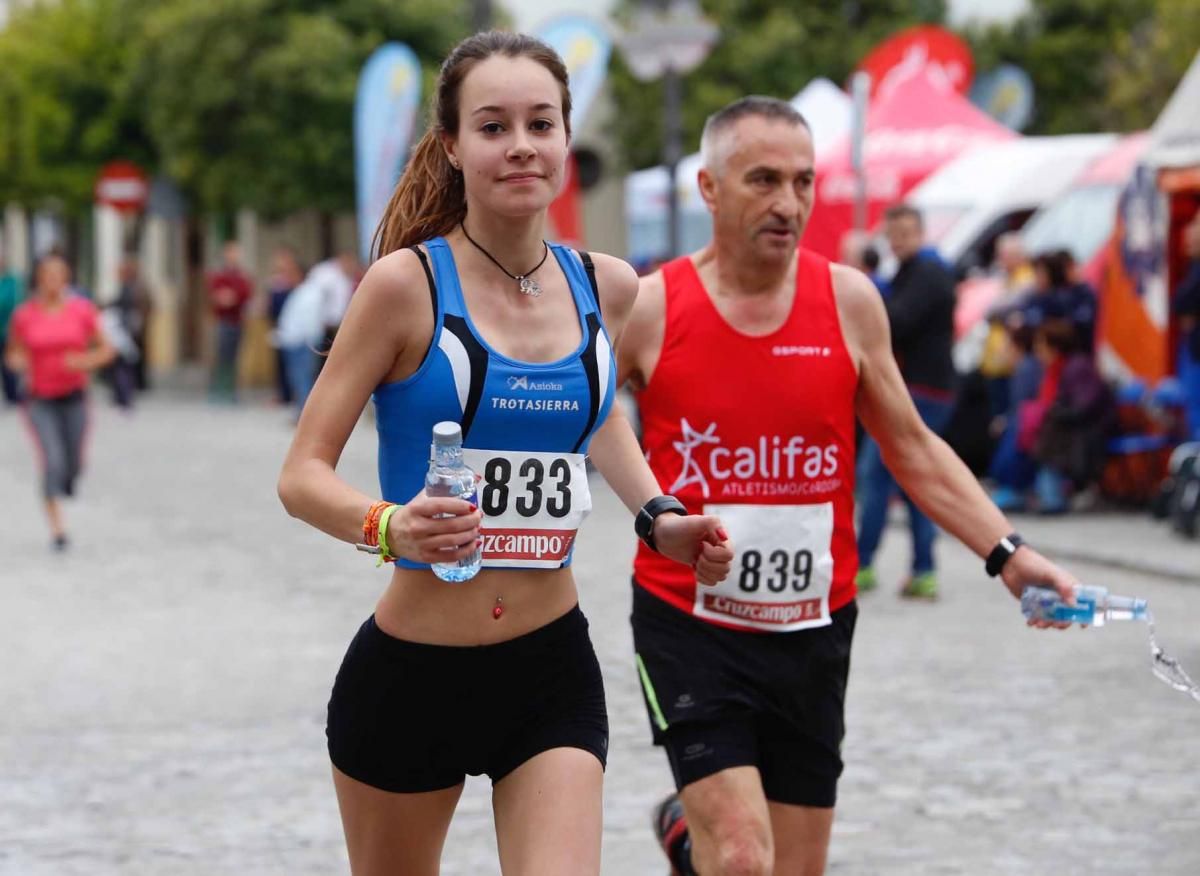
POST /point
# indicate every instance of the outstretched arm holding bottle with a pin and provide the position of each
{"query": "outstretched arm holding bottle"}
(923, 464)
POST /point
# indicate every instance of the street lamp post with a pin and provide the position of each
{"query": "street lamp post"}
(668, 43)
(860, 89)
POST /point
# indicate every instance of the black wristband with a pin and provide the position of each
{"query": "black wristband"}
(643, 523)
(1001, 553)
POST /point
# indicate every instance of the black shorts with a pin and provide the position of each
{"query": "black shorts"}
(410, 717)
(720, 698)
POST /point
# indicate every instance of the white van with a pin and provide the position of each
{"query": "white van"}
(994, 188)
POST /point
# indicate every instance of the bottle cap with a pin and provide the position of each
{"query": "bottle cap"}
(446, 434)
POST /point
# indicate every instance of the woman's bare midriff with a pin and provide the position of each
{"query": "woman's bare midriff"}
(419, 607)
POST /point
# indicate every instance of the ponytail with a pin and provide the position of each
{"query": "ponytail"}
(428, 201)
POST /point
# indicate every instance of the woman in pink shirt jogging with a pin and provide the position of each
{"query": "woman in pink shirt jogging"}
(55, 341)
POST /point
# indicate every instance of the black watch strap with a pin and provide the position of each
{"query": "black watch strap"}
(1001, 553)
(643, 524)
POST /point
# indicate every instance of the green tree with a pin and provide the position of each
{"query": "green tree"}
(1065, 47)
(250, 102)
(1148, 62)
(242, 102)
(61, 114)
(766, 47)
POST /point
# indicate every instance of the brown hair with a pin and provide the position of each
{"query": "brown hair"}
(903, 211)
(430, 200)
(1054, 266)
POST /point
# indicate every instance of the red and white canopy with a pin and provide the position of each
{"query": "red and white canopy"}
(914, 126)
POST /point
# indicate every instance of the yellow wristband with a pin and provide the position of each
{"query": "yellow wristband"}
(385, 553)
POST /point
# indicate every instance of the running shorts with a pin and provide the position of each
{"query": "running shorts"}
(411, 717)
(719, 698)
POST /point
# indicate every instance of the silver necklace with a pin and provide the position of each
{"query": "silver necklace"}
(528, 285)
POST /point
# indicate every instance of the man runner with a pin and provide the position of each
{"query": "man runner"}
(751, 359)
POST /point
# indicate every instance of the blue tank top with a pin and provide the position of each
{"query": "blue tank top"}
(502, 404)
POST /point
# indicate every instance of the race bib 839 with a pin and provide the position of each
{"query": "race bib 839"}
(782, 572)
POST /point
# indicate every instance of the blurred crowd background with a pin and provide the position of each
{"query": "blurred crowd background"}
(211, 171)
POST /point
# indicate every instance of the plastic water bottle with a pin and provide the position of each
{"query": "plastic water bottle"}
(1094, 606)
(449, 476)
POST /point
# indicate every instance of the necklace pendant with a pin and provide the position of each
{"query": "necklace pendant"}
(530, 287)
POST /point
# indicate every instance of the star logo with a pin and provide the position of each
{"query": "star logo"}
(691, 472)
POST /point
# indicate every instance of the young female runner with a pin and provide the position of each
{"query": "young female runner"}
(470, 316)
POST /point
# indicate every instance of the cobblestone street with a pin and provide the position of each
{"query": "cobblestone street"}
(164, 686)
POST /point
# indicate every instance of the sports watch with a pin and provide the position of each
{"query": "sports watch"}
(643, 523)
(1002, 552)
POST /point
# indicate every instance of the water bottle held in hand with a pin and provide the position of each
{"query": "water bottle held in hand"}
(449, 476)
(1094, 606)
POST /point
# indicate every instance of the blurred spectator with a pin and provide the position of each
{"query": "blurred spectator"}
(870, 260)
(11, 294)
(301, 328)
(1059, 294)
(286, 275)
(310, 319)
(998, 357)
(120, 371)
(1045, 300)
(124, 321)
(134, 303)
(229, 291)
(920, 308)
(1012, 468)
(857, 252)
(1077, 418)
(1079, 302)
(337, 278)
(851, 249)
(1187, 308)
(1012, 264)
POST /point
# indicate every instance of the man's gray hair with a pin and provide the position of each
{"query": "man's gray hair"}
(726, 117)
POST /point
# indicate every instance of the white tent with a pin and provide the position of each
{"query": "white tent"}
(1175, 137)
(826, 108)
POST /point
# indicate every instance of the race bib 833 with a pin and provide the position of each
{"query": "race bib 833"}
(532, 503)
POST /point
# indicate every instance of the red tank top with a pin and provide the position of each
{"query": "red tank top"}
(759, 430)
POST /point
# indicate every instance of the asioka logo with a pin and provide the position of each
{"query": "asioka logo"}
(790, 464)
(523, 382)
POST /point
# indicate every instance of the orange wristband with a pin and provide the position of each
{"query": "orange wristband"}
(371, 523)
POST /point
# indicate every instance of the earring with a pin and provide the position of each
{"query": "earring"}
(454, 164)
